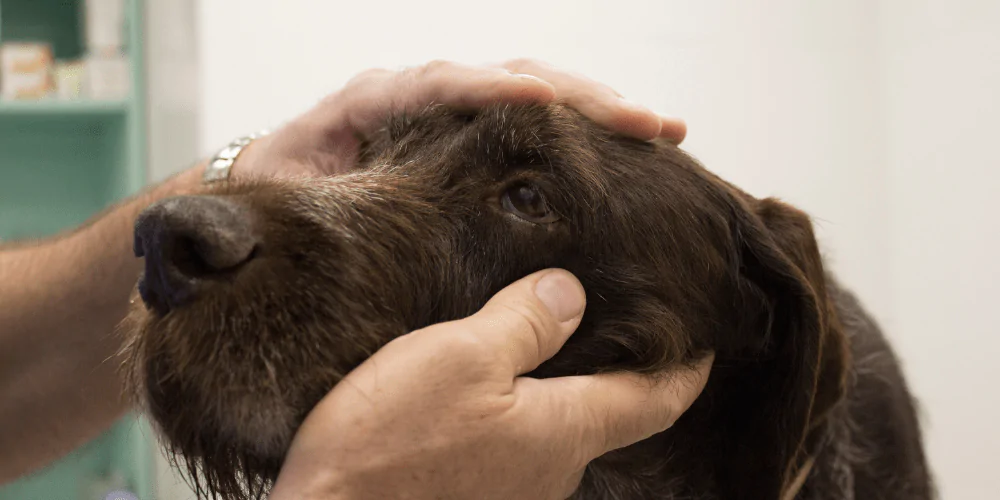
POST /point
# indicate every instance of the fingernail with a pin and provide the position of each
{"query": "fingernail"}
(528, 77)
(673, 129)
(562, 295)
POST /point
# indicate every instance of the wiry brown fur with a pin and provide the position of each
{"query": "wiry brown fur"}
(675, 262)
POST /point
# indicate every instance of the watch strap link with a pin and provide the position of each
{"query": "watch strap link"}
(219, 167)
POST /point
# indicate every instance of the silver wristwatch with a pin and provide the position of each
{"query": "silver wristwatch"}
(218, 169)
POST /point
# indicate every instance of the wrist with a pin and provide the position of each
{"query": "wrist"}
(246, 164)
(187, 181)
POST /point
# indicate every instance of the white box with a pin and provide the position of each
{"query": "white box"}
(25, 70)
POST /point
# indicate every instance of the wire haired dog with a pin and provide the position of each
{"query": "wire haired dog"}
(258, 297)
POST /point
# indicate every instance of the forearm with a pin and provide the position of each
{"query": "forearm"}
(60, 300)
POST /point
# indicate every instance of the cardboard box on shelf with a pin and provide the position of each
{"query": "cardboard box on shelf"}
(25, 70)
(68, 78)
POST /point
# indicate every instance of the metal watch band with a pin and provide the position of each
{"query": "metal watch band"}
(218, 169)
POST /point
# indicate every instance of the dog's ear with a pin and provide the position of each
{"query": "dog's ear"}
(794, 368)
(793, 233)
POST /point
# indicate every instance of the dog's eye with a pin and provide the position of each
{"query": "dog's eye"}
(527, 202)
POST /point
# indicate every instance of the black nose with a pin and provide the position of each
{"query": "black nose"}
(188, 241)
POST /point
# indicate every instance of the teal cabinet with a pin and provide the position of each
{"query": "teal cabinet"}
(119, 460)
(61, 162)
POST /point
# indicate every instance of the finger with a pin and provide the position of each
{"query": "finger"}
(594, 100)
(530, 320)
(369, 98)
(619, 409)
(673, 129)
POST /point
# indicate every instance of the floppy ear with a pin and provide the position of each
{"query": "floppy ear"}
(795, 367)
(793, 234)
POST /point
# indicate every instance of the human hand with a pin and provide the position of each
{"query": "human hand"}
(444, 412)
(336, 126)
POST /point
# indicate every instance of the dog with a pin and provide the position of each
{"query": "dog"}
(259, 296)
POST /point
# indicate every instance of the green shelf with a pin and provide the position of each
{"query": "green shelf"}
(61, 162)
(56, 170)
(63, 108)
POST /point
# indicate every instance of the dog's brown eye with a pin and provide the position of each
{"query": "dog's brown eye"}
(527, 202)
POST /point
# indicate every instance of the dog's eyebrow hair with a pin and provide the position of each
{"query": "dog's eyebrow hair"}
(503, 138)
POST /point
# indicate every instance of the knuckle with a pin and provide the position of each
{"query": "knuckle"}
(434, 67)
(407, 79)
(367, 76)
(424, 83)
(525, 318)
(521, 64)
(590, 429)
(529, 322)
(466, 345)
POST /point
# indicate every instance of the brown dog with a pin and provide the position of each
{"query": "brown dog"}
(260, 297)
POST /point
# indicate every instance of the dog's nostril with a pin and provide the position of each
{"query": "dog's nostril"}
(198, 258)
(189, 240)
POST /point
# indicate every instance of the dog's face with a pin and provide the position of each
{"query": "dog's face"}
(259, 297)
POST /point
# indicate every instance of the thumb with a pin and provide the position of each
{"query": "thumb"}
(531, 319)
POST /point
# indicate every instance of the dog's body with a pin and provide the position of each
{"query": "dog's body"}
(805, 400)
(872, 439)
(867, 447)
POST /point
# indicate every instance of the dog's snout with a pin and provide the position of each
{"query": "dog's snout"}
(187, 241)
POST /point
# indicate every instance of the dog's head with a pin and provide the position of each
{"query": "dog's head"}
(259, 297)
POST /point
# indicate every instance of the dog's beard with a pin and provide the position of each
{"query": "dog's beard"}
(231, 446)
(226, 473)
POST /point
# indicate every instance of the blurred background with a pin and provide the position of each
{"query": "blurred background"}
(878, 117)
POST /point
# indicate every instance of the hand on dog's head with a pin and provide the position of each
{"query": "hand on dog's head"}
(257, 309)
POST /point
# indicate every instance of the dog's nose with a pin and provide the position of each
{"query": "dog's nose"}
(188, 241)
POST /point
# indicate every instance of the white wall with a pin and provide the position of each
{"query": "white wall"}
(173, 107)
(853, 110)
(778, 95)
(942, 89)
(174, 102)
